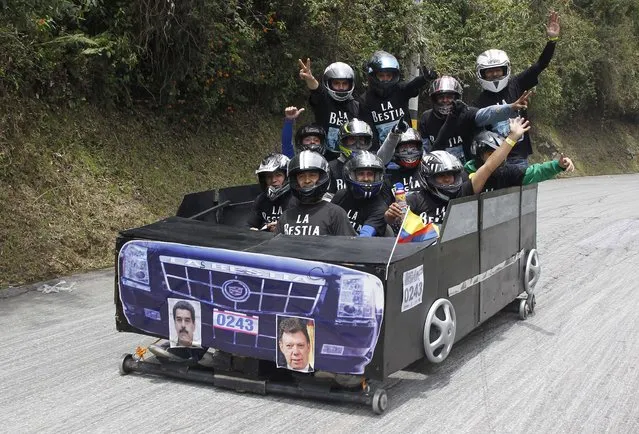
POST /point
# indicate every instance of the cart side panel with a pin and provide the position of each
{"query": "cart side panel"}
(403, 332)
(529, 218)
(242, 198)
(194, 203)
(499, 250)
(459, 262)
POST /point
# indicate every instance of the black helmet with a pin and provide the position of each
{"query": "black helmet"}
(409, 159)
(485, 141)
(436, 163)
(307, 161)
(381, 61)
(310, 130)
(364, 160)
(272, 163)
(444, 84)
(339, 71)
(354, 128)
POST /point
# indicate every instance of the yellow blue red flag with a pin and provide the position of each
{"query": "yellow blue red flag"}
(414, 230)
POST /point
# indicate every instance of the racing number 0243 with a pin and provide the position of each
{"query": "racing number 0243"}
(413, 289)
(234, 321)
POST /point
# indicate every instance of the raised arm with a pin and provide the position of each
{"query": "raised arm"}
(307, 75)
(387, 150)
(517, 129)
(290, 115)
(500, 112)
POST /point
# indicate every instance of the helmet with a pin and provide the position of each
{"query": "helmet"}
(310, 130)
(409, 158)
(485, 141)
(436, 163)
(337, 71)
(303, 162)
(272, 163)
(381, 61)
(354, 128)
(493, 59)
(364, 160)
(444, 84)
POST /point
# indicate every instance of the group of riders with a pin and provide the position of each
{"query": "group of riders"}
(339, 175)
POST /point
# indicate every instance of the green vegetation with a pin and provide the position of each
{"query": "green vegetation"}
(111, 111)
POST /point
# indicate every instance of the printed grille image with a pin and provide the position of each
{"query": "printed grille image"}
(242, 288)
(242, 293)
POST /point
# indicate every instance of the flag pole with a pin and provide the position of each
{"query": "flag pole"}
(396, 240)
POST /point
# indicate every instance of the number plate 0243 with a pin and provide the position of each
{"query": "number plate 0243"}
(237, 322)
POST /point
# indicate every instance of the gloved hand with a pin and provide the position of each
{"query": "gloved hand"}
(428, 72)
(459, 107)
(401, 126)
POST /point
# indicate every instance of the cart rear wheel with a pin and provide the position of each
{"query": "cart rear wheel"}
(523, 309)
(123, 362)
(439, 330)
(532, 271)
(531, 303)
(380, 401)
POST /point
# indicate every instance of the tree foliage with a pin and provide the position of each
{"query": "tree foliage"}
(211, 57)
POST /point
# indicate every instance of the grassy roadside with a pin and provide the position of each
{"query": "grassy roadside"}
(71, 179)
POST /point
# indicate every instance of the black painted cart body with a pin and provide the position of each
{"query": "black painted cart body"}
(428, 297)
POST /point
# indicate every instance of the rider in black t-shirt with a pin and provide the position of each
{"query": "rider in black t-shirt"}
(332, 102)
(450, 125)
(440, 177)
(511, 175)
(493, 73)
(364, 177)
(354, 136)
(309, 179)
(275, 196)
(386, 99)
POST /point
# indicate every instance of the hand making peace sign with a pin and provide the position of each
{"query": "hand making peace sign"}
(307, 75)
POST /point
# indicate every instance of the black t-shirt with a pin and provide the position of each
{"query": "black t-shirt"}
(362, 212)
(408, 177)
(516, 86)
(508, 175)
(455, 132)
(331, 114)
(382, 113)
(265, 211)
(337, 175)
(321, 218)
(431, 208)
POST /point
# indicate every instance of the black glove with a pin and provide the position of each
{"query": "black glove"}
(401, 126)
(459, 107)
(428, 72)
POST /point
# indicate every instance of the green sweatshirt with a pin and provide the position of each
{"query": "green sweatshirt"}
(534, 173)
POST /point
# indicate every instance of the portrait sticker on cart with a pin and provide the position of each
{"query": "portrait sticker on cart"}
(295, 343)
(413, 281)
(242, 302)
(185, 323)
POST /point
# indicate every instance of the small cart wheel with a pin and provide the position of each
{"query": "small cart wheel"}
(438, 346)
(123, 368)
(523, 309)
(531, 303)
(532, 271)
(380, 401)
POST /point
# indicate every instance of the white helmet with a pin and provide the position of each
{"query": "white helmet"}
(339, 71)
(493, 59)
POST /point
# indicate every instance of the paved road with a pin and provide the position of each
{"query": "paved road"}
(573, 367)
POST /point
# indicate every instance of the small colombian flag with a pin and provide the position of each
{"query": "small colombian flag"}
(414, 230)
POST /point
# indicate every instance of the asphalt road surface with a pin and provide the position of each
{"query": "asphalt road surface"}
(572, 367)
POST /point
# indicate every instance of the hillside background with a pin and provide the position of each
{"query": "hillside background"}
(111, 111)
